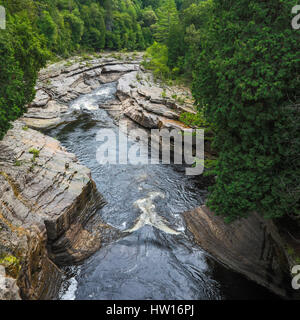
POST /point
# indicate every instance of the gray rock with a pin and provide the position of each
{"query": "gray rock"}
(252, 247)
(46, 204)
(41, 99)
(42, 118)
(120, 68)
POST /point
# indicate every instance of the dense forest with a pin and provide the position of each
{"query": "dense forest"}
(241, 58)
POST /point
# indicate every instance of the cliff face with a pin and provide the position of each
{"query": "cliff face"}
(48, 203)
(249, 246)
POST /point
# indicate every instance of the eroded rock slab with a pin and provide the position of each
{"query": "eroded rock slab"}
(47, 200)
(143, 99)
(249, 246)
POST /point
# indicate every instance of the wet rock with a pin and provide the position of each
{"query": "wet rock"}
(250, 246)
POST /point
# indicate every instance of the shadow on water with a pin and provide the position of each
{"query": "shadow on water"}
(148, 263)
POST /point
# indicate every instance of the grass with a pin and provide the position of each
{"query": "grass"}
(139, 77)
(68, 64)
(35, 153)
(194, 120)
(17, 163)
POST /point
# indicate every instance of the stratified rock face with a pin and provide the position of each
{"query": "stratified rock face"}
(150, 105)
(249, 246)
(47, 200)
(143, 100)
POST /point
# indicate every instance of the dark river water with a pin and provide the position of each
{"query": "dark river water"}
(155, 261)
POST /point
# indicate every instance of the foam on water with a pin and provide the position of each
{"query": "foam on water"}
(92, 101)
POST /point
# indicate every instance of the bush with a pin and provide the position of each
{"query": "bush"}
(156, 60)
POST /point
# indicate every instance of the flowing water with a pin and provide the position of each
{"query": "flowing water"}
(157, 259)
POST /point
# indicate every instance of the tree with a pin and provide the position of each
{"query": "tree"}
(48, 28)
(12, 97)
(167, 16)
(22, 54)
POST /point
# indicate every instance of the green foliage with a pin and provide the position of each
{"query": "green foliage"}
(22, 54)
(194, 120)
(35, 153)
(245, 81)
(17, 163)
(38, 30)
(243, 58)
(167, 17)
(156, 59)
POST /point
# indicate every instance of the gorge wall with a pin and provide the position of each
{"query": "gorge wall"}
(251, 246)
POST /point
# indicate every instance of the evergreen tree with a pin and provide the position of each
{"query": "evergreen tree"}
(167, 17)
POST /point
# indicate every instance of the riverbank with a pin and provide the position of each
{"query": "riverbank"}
(49, 199)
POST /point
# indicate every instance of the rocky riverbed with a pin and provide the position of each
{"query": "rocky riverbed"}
(141, 99)
(48, 199)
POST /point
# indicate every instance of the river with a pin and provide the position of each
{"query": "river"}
(152, 262)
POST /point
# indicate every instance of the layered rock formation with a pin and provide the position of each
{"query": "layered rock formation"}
(48, 203)
(251, 246)
(140, 98)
